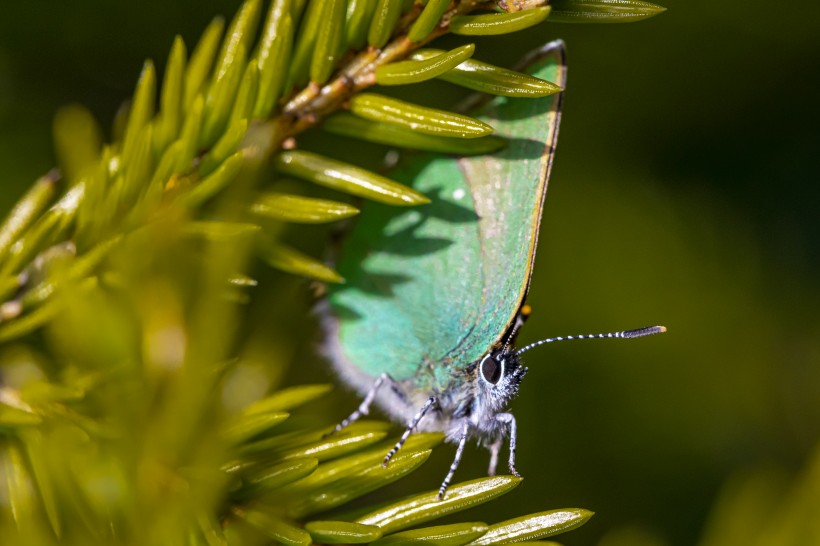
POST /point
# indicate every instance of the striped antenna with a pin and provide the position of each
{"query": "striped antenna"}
(626, 334)
(523, 314)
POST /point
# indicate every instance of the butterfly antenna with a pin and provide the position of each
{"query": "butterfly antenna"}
(520, 318)
(626, 334)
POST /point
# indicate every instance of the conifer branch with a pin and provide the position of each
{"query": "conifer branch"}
(133, 255)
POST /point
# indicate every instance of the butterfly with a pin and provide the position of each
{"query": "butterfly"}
(426, 323)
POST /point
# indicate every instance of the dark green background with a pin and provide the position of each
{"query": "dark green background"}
(684, 193)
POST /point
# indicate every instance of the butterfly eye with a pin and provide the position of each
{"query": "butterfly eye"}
(492, 369)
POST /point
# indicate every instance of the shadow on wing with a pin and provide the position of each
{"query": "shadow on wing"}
(522, 148)
(343, 312)
(382, 284)
(444, 209)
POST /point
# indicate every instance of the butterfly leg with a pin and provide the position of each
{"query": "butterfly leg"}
(494, 448)
(462, 441)
(509, 420)
(364, 407)
(410, 428)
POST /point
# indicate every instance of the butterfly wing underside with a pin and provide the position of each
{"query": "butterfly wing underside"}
(436, 286)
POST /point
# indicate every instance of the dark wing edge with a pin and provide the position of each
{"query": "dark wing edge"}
(557, 50)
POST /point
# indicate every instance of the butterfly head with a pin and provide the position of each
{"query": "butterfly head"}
(499, 376)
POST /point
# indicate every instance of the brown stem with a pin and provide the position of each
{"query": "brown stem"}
(308, 107)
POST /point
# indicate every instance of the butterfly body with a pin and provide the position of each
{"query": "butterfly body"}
(424, 325)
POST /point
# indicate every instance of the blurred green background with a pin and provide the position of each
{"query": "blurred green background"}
(684, 193)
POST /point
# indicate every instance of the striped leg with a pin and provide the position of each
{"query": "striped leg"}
(364, 407)
(459, 451)
(494, 448)
(509, 420)
(411, 426)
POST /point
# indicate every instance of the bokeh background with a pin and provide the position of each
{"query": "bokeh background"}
(685, 192)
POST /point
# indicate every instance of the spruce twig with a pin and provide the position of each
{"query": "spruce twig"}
(114, 432)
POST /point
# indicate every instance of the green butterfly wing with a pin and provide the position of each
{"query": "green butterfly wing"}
(436, 286)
